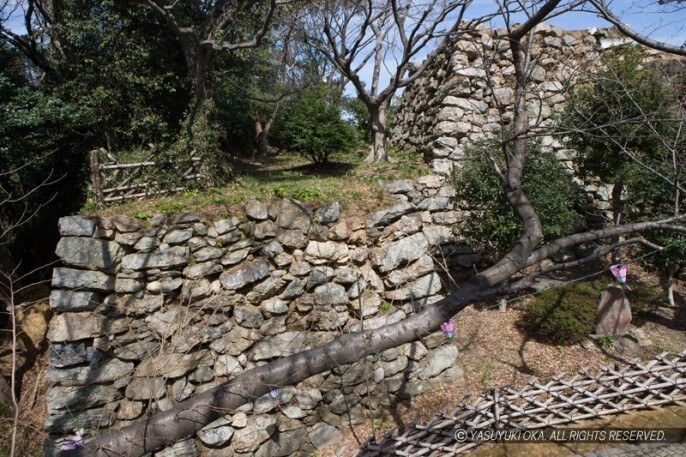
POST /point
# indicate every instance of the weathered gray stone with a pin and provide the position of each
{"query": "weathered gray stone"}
(68, 421)
(294, 289)
(248, 316)
(200, 270)
(422, 287)
(69, 354)
(235, 342)
(274, 306)
(233, 257)
(207, 253)
(272, 249)
(244, 274)
(379, 321)
(330, 294)
(256, 210)
(171, 365)
(225, 225)
(403, 251)
(178, 236)
(614, 312)
(325, 435)
(146, 244)
(70, 278)
(438, 234)
(319, 275)
(266, 229)
(293, 239)
(76, 226)
(308, 397)
(216, 433)
(265, 289)
(442, 359)
(105, 372)
(227, 366)
(88, 252)
(328, 214)
(293, 215)
(76, 326)
(346, 275)
(257, 431)
(320, 253)
(138, 350)
(300, 268)
(400, 229)
(73, 300)
(388, 215)
(79, 397)
(283, 444)
(127, 285)
(424, 265)
(436, 204)
(145, 388)
(173, 257)
(129, 410)
(399, 187)
(282, 345)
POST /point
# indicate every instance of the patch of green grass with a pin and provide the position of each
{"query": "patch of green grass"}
(349, 181)
(607, 341)
(384, 307)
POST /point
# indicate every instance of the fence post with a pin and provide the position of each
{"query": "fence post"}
(95, 176)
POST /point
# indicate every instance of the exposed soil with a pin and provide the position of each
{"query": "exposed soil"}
(494, 352)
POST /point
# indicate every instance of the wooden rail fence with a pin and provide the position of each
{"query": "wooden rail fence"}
(616, 389)
(113, 181)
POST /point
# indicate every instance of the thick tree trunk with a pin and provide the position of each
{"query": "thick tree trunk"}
(377, 114)
(261, 143)
(668, 285)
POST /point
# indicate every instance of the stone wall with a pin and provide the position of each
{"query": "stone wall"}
(460, 97)
(147, 316)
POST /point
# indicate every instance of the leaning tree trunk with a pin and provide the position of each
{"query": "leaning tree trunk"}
(377, 114)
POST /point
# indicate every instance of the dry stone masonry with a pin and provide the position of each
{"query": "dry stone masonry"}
(146, 316)
(467, 94)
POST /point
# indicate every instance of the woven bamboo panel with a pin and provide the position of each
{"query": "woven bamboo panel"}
(114, 181)
(613, 390)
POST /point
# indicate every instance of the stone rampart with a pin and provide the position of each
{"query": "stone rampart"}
(147, 316)
(467, 93)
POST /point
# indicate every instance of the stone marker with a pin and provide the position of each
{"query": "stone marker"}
(614, 312)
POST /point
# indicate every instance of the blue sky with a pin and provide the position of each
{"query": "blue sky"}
(665, 23)
(662, 23)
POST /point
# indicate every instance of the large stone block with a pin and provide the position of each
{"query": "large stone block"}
(176, 256)
(293, 215)
(71, 278)
(614, 312)
(76, 226)
(244, 274)
(73, 300)
(402, 252)
(89, 252)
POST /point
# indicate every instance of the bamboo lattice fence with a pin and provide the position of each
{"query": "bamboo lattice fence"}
(113, 181)
(615, 389)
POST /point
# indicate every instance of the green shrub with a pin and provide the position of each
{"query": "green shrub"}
(313, 126)
(563, 315)
(567, 314)
(492, 224)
